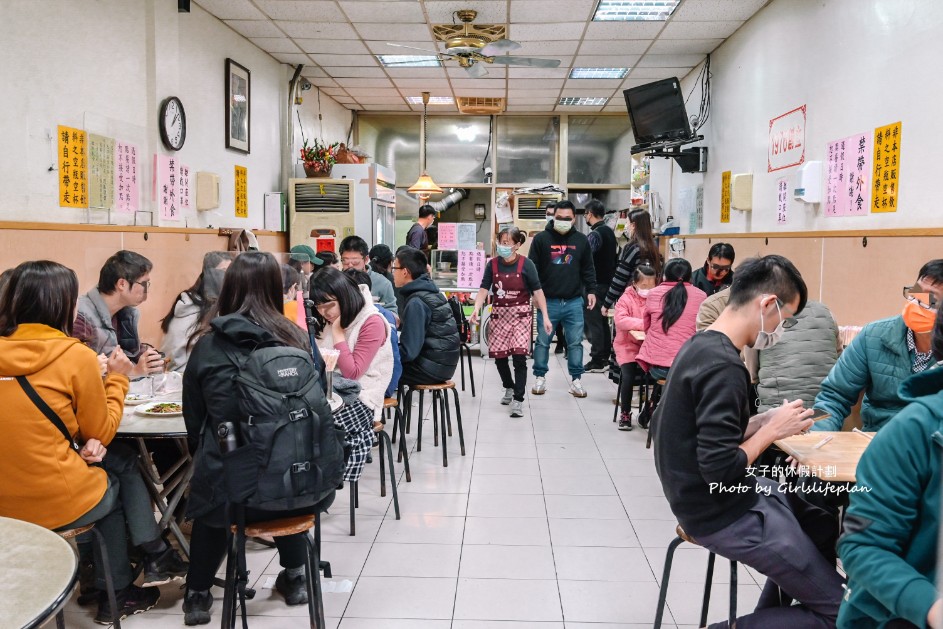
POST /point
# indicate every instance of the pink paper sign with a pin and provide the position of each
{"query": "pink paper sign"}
(782, 200)
(448, 236)
(847, 192)
(127, 188)
(167, 188)
(471, 268)
(184, 180)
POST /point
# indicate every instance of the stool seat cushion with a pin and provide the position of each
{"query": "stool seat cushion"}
(685, 536)
(279, 528)
(448, 384)
(390, 402)
(71, 533)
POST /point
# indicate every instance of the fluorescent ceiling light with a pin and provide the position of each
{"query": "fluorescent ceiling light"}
(598, 73)
(410, 61)
(433, 100)
(634, 10)
(583, 100)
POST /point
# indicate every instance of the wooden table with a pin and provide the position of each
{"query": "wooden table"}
(38, 571)
(838, 458)
(637, 334)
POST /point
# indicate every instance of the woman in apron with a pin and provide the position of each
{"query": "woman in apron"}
(513, 281)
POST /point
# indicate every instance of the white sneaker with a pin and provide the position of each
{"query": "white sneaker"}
(540, 386)
(517, 409)
(576, 389)
(508, 396)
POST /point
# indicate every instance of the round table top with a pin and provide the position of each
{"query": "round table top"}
(134, 424)
(38, 570)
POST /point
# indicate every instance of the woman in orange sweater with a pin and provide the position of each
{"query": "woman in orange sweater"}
(43, 478)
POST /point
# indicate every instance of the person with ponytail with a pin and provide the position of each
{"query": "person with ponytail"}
(669, 318)
(630, 313)
(641, 249)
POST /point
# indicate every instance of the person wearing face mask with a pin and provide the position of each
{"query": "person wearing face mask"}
(513, 281)
(560, 347)
(565, 265)
(602, 242)
(706, 441)
(881, 356)
(630, 310)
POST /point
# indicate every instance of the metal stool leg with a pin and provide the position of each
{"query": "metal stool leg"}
(353, 507)
(732, 622)
(435, 420)
(408, 409)
(389, 457)
(419, 423)
(461, 364)
(109, 582)
(471, 370)
(458, 420)
(228, 618)
(322, 565)
(383, 462)
(439, 398)
(618, 404)
(313, 583)
(403, 450)
(666, 575)
(705, 605)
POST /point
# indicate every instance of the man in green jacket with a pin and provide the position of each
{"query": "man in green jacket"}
(889, 548)
(882, 355)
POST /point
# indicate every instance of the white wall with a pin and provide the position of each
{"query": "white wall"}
(333, 126)
(857, 65)
(105, 66)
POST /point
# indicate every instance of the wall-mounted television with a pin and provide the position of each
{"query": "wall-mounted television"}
(657, 113)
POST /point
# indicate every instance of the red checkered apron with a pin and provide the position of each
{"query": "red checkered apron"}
(510, 322)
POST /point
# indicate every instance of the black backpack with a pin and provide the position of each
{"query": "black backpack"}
(464, 329)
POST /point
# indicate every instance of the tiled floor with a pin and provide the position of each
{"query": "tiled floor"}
(552, 520)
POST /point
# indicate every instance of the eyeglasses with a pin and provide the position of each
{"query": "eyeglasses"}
(396, 268)
(146, 285)
(788, 322)
(717, 268)
(922, 298)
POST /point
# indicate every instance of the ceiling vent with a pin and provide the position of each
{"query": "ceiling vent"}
(480, 105)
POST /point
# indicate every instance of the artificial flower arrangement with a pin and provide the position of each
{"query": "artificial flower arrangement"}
(319, 159)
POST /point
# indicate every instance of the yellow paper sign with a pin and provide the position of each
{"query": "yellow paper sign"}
(886, 168)
(73, 165)
(242, 197)
(725, 197)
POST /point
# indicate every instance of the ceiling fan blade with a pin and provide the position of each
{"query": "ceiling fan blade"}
(434, 52)
(476, 71)
(533, 62)
(407, 63)
(499, 47)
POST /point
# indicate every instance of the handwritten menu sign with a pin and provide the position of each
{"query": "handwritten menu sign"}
(448, 236)
(886, 167)
(126, 178)
(725, 197)
(72, 168)
(183, 178)
(167, 192)
(471, 268)
(467, 236)
(101, 171)
(847, 191)
(781, 201)
(242, 196)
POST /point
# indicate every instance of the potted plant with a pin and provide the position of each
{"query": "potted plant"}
(319, 159)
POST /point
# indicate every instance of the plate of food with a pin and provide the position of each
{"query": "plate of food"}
(133, 399)
(160, 409)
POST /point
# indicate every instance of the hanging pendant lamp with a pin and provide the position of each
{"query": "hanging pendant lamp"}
(424, 186)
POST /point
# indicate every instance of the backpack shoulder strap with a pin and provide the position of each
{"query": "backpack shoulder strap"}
(45, 410)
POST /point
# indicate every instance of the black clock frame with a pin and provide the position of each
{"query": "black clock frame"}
(162, 123)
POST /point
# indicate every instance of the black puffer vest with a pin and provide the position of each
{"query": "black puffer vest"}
(439, 354)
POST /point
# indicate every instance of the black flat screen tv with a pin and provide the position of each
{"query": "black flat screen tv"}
(657, 113)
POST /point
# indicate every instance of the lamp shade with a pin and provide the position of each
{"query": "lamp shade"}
(424, 186)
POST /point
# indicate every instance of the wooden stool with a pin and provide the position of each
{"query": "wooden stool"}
(663, 592)
(656, 397)
(106, 566)
(391, 406)
(280, 528)
(440, 407)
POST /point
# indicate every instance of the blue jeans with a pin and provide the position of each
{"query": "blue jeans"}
(569, 312)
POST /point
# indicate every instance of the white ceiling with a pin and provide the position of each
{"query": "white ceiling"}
(336, 40)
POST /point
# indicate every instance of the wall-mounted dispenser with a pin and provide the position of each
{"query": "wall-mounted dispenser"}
(741, 192)
(809, 183)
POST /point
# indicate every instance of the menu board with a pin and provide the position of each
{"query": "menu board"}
(886, 167)
(126, 178)
(242, 196)
(471, 268)
(725, 197)
(467, 236)
(448, 236)
(101, 171)
(72, 168)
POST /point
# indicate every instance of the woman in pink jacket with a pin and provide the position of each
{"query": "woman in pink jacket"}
(630, 311)
(669, 320)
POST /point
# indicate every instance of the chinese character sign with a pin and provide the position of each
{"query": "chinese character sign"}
(242, 195)
(471, 268)
(73, 168)
(127, 192)
(448, 236)
(101, 171)
(167, 192)
(725, 197)
(183, 178)
(787, 140)
(467, 235)
(886, 168)
(782, 200)
(847, 192)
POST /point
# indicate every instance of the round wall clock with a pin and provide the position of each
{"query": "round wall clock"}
(173, 124)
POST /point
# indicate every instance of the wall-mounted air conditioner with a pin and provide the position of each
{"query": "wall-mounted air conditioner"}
(530, 214)
(320, 204)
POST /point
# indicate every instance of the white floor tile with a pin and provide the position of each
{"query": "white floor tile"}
(602, 564)
(506, 484)
(582, 485)
(505, 624)
(507, 600)
(596, 507)
(603, 533)
(416, 528)
(427, 504)
(413, 560)
(497, 465)
(506, 506)
(606, 601)
(402, 597)
(577, 468)
(507, 562)
(507, 531)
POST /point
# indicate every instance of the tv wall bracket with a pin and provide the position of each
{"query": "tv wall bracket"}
(692, 160)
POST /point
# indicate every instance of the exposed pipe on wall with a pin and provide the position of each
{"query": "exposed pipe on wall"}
(287, 161)
(449, 200)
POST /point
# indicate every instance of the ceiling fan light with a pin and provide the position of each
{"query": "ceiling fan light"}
(410, 61)
(424, 186)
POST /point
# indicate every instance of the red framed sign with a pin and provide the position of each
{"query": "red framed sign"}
(786, 140)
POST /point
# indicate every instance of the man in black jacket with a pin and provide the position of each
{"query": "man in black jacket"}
(602, 242)
(428, 338)
(706, 445)
(565, 266)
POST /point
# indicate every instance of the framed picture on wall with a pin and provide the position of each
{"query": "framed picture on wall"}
(237, 106)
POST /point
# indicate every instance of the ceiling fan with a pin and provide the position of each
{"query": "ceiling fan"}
(473, 48)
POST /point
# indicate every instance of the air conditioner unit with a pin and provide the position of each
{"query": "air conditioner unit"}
(530, 214)
(315, 204)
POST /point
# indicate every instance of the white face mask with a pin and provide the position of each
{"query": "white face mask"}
(562, 226)
(643, 292)
(765, 340)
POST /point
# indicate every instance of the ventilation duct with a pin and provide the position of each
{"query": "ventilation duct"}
(449, 200)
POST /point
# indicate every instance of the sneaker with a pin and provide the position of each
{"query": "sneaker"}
(644, 418)
(508, 396)
(131, 600)
(196, 607)
(517, 409)
(540, 386)
(594, 367)
(576, 389)
(294, 589)
(625, 421)
(88, 593)
(164, 567)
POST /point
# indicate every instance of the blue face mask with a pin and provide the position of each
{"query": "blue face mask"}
(504, 251)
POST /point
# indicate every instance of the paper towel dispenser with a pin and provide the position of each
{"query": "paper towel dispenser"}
(741, 192)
